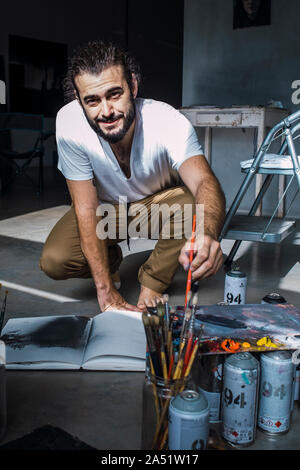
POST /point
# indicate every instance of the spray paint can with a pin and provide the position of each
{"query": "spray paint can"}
(293, 389)
(276, 383)
(297, 384)
(3, 410)
(239, 399)
(210, 380)
(235, 287)
(188, 421)
(273, 298)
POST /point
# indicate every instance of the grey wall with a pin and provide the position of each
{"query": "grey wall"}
(248, 66)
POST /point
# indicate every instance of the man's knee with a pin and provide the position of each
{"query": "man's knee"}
(53, 264)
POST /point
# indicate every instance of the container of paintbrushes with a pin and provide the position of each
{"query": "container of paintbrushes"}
(2, 390)
(157, 394)
(168, 372)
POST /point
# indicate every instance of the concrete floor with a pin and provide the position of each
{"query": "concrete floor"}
(104, 409)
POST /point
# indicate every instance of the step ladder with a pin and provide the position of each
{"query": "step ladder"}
(261, 228)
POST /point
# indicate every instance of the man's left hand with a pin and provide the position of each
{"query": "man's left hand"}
(208, 257)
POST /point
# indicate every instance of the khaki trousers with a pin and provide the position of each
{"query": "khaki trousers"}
(62, 257)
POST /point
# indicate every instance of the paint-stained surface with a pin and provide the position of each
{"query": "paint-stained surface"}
(239, 399)
(276, 392)
(249, 327)
(60, 332)
(46, 340)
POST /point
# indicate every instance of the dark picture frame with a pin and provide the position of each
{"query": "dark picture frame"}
(249, 13)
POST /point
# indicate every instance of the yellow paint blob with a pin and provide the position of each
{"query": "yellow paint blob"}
(266, 341)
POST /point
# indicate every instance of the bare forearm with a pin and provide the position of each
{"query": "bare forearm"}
(210, 194)
(206, 189)
(85, 200)
(94, 249)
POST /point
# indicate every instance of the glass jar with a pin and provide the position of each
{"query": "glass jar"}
(157, 394)
(2, 391)
(208, 377)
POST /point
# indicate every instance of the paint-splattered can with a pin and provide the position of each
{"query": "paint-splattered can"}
(188, 421)
(235, 287)
(297, 384)
(293, 389)
(273, 298)
(3, 411)
(276, 384)
(239, 399)
(210, 380)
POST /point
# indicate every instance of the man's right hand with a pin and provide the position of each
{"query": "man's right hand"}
(112, 300)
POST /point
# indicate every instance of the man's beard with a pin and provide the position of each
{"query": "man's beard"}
(114, 137)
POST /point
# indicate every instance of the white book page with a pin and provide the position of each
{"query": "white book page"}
(117, 334)
(46, 340)
(115, 363)
(42, 366)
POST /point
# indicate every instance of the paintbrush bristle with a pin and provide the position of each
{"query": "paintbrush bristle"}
(166, 298)
(155, 321)
(195, 286)
(145, 319)
(195, 300)
(160, 309)
(188, 298)
(187, 314)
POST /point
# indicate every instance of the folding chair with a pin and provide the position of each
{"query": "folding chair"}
(33, 123)
(262, 228)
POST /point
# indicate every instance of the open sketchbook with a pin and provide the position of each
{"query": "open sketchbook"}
(109, 341)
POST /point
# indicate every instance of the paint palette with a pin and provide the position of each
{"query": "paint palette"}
(248, 327)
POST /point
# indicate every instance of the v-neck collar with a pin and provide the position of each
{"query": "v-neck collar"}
(110, 154)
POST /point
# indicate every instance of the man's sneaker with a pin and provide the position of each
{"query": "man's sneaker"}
(116, 279)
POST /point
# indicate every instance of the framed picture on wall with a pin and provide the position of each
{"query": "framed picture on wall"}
(247, 13)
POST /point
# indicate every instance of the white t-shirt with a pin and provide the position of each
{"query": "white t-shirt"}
(163, 140)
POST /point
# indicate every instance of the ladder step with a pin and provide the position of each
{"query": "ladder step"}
(271, 171)
(252, 228)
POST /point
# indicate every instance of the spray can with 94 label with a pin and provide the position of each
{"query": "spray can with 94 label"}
(276, 392)
(239, 399)
(235, 287)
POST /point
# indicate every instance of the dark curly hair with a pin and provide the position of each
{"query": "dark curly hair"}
(95, 56)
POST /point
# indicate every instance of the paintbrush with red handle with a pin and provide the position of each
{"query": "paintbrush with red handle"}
(190, 333)
(189, 278)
